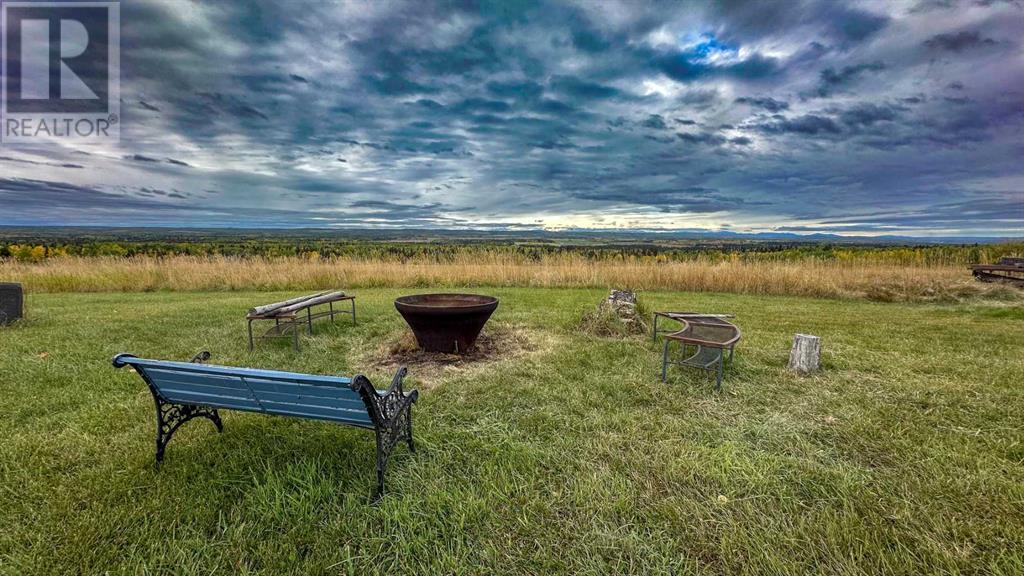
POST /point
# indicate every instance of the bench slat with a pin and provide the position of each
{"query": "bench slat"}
(203, 389)
(349, 422)
(186, 396)
(162, 377)
(189, 368)
(320, 401)
(258, 385)
(289, 409)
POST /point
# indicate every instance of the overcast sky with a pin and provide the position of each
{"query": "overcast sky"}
(870, 118)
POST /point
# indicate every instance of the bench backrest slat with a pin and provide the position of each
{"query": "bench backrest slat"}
(193, 388)
(212, 400)
(267, 391)
(321, 412)
(175, 377)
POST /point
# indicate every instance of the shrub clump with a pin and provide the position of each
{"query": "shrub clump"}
(620, 314)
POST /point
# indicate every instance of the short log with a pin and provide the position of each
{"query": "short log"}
(263, 310)
(805, 356)
(309, 302)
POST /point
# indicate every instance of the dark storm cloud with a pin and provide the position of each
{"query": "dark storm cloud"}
(655, 121)
(701, 138)
(865, 114)
(581, 89)
(959, 41)
(688, 67)
(832, 80)
(835, 22)
(857, 25)
(140, 158)
(613, 113)
(766, 102)
(49, 202)
(39, 163)
(808, 124)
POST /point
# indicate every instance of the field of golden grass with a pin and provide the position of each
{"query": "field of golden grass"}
(809, 277)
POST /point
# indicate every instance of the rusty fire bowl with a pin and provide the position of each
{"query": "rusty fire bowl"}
(447, 323)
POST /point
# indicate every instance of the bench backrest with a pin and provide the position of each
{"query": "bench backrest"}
(267, 391)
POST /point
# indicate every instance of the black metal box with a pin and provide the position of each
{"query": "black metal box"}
(12, 302)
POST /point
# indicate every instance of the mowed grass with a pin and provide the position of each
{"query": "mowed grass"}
(904, 456)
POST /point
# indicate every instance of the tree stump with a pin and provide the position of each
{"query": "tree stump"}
(616, 314)
(805, 356)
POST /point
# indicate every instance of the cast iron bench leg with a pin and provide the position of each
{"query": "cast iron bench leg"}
(353, 311)
(408, 432)
(387, 438)
(170, 417)
(250, 336)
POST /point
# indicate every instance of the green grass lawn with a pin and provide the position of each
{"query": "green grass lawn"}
(903, 456)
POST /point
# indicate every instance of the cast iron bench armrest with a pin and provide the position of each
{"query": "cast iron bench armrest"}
(385, 408)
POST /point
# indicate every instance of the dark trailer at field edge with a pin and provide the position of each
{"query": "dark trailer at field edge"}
(1009, 270)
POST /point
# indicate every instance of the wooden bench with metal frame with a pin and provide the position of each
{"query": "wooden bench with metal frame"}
(183, 391)
(288, 316)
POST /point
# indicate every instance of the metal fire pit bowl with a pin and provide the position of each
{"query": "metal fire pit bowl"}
(446, 323)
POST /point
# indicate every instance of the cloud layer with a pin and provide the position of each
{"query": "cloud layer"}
(803, 115)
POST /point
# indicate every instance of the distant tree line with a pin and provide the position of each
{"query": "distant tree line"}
(447, 251)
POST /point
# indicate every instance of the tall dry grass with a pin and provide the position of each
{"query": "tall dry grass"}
(832, 279)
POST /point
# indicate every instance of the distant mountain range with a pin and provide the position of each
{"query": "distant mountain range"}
(493, 234)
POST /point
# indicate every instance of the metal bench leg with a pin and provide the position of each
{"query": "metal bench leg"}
(330, 306)
(654, 330)
(383, 453)
(408, 432)
(353, 311)
(309, 319)
(664, 361)
(721, 359)
(250, 336)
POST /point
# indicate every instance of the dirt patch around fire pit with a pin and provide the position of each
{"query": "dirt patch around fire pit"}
(497, 342)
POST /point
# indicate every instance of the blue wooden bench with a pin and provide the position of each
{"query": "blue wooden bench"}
(186, 390)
